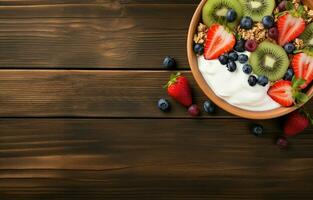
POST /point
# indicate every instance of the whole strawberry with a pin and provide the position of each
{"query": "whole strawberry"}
(295, 123)
(178, 88)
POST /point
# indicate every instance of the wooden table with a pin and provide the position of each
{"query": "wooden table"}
(79, 84)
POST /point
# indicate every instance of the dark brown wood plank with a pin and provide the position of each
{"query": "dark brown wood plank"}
(104, 36)
(150, 159)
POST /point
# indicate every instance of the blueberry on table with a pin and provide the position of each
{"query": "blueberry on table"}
(198, 49)
(243, 58)
(289, 74)
(231, 15)
(257, 130)
(231, 66)
(209, 107)
(252, 80)
(262, 80)
(240, 45)
(233, 56)
(247, 69)
(289, 48)
(169, 62)
(246, 23)
(164, 105)
(223, 59)
(268, 22)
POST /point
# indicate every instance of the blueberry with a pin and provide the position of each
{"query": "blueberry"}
(231, 15)
(262, 80)
(246, 23)
(268, 22)
(257, 130)
(243, 58)
(198, 49)
(209, 107)
(289, 74)
(233, 56)
(164, 105)
(231, 66)
(289, 48)
(240, 45)
(247, 69)
(223, 59)
(169, 62)
(252, 80)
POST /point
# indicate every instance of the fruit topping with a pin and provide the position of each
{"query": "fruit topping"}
(247, 69)
(231, 15)
(268, 21)
(289, 74)
(302, 65)
(257, 130)
(269, 60)
(307, 36)
(242, 58)
(223, 59)
(164, 105)
(240, 45)
(233, 56)
(178, 88)
(169, 62)
(246, 23)
(252, 80)
(198, 49)
(282, 6)
(231, 66)
(273, 33)
(282, 142)
(262, 80)
(215, 11)
(289, 48)
(194, 110)
(209, 107)
(295, 123)
(251, 45)
(289, 28)
(218, 41)
(256, 9)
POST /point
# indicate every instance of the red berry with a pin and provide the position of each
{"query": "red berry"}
(273, 33)
(282, 6)
(296, 123)
(251, 45)
(282, 142)
(194, 110)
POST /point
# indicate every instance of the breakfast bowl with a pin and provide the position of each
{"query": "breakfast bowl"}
(203, 82)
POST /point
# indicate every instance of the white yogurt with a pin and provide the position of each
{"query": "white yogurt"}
(233, 87)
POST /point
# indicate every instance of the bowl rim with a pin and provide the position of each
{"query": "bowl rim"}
(193, 63)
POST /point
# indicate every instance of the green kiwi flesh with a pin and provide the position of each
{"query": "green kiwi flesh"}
(214, 11)
(269, 60)
(257, 9)
(307, 35)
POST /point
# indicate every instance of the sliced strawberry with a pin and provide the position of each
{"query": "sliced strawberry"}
(281, 92)
(302, 65)
(218, 41)
(289, 28)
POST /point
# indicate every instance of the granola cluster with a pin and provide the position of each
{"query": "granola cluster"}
(200, 36)
(299, 44)
(258, 33)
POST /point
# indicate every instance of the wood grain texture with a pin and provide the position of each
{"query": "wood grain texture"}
(150, 159)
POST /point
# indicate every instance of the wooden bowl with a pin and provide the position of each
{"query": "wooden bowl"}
(192, 58)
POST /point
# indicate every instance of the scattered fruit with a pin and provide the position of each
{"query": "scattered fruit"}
(282, 142)
(231, 66)
(247, 69)
(302, 65)
(198, 49)
(193, 110)
(243, 58)
(262, 80)
(178, 88)
(223, 59)
(256, 9)
(251, 45)
(231, 15)
(164, 105)
(257, 130)
(269, 60)
(268, 21)
(289, 74)
(295, 123)
(273, 33)
(233, 56)
(240, 45)
(289, 28)
(209, 107)
(289, 48)
(246, 23)
(169, 62)
(218, 41)
(252, 80)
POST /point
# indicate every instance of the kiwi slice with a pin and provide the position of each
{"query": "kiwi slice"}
(269, 60)
(214, 11)
(307, 35)
(257, 9)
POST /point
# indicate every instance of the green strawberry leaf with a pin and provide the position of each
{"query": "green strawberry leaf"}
(289, 5)
(301, 97)
(296, 83)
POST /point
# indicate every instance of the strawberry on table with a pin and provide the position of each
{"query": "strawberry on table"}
(178, 88)
(289, 27)
(218, 41)
(296, 122)
(302, 65)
